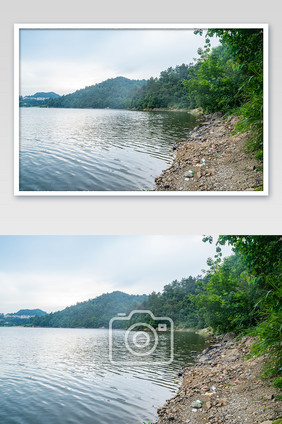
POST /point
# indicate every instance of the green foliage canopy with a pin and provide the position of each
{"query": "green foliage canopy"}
(167, 91)
(216, 82)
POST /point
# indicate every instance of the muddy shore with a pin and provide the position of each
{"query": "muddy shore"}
(212, 158)
(224, 387)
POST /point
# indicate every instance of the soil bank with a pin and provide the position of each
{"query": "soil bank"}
(212, 159)
(228, 386)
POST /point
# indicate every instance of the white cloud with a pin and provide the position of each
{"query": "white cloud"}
(67, 61)
(49, 292)
(61, 77)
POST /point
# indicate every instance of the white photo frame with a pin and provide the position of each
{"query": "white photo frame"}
(18, 192)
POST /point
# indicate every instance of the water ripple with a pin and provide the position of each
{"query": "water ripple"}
(75, 149)
(51, 376)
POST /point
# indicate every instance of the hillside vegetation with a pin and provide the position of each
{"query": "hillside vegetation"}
(113, 93)
(94, 313)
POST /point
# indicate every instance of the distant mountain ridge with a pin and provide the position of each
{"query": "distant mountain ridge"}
(42, 95)
(29, 312)
(37, 99)
(22, 317)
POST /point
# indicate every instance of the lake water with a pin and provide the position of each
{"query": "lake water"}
(51, 376)
(96, 149)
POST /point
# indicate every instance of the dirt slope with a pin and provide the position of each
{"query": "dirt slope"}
(228, 386)
(212, 159)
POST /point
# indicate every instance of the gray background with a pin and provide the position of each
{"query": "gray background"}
(138, 215)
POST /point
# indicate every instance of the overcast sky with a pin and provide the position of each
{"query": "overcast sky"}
(65, 60)
(52, 272)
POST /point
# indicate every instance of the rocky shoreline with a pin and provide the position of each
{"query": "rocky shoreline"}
(224, 387)
(212, 159)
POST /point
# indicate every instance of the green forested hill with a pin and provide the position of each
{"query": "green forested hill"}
(113, 93)
(167, 91)
(93, 313)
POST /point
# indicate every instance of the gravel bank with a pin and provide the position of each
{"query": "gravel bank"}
(224, 387)
(212, 159)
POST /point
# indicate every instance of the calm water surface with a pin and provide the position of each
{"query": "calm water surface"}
(96, 149)
(52, 376)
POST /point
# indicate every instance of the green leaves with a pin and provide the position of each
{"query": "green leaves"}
(167, 91)
(261, 256)
(216, 80)
(225, 298)
(230, 80)
(175, 302)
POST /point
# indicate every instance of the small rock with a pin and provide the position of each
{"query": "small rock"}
(210, 394)
(196, 404)
(203, 358)
(228, 336)
(189, 174)
(270, 397)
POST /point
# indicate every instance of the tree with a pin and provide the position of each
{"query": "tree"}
(215, 82)
(246, 48)
(174, 302)
(167, 91)
(262, 256)
(226, 299)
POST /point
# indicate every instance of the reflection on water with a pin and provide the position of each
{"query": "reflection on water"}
(51, 376)
(96, 149)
